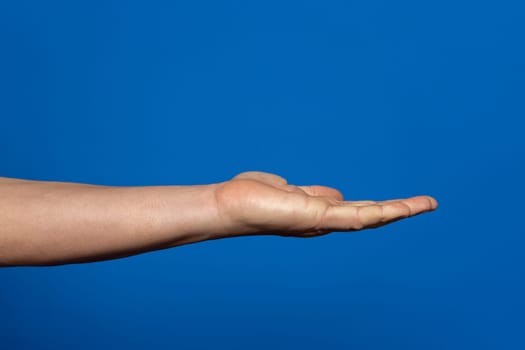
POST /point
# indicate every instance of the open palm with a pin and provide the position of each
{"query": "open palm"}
(263, 203)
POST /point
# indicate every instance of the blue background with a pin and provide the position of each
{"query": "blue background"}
(380, 99)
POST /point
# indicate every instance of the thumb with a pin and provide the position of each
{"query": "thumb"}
(322, 191)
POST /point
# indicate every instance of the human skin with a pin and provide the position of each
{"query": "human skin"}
(54, 223)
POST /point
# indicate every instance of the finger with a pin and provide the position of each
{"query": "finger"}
(395, 210)
(360, 203)
(413, 202)
(417, 203)
(349, 217)
(268, 178)
(322, 191)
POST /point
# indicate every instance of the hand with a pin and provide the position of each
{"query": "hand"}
(263, 203)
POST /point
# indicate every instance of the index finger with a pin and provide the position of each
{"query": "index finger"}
(352, 216)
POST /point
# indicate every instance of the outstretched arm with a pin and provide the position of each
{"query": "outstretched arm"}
(52, 223)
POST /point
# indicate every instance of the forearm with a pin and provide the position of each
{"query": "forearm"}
(47, 223)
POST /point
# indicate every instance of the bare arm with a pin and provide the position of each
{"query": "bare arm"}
(50, 223)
